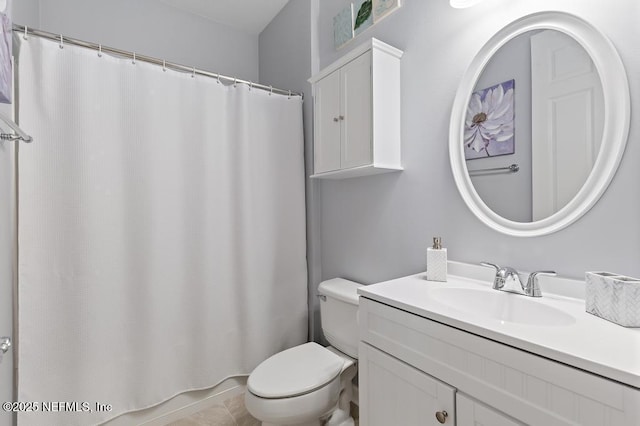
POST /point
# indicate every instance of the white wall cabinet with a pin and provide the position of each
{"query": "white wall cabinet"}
(411, 367)
(357, 113)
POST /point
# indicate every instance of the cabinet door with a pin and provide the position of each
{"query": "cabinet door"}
(473, 413)
(394, 393)
(357, 113)
(327, 124)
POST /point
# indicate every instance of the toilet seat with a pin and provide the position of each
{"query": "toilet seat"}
(296, 371)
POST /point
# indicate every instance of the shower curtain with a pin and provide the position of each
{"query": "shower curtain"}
(161, 232)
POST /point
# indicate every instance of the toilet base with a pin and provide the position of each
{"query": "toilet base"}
(340, 418)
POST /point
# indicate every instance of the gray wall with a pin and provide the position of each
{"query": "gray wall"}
(377, 228)
(147, 27)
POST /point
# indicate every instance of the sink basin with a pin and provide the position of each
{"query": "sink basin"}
(501, 306)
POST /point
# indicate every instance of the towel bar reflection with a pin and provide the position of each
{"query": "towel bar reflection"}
(510, 169)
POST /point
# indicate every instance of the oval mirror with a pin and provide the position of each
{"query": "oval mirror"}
(539, 124)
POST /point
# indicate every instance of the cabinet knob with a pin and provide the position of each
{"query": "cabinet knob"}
(342, 117)
(442, 416)
(335, 119)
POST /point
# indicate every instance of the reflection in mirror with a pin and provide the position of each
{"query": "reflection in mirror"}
(539, 104)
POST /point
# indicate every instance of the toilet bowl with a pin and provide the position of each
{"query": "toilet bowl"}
(309, 384)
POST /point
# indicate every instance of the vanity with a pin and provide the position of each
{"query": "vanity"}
(462, 353)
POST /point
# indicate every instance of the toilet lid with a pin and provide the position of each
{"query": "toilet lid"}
(295, 371)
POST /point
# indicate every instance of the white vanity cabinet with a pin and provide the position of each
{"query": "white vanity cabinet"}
(398, 394)
(473, 413)
(412, 367)
(394, 393)
(357, 113)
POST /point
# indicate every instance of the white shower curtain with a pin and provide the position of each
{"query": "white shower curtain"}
(161, 231)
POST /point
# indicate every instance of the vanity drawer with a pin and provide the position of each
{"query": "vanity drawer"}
(530, 388)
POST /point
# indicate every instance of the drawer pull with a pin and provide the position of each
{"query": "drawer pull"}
(442, 416)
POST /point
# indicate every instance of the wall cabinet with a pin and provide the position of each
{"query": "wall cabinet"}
(411, 368)
(357, 113)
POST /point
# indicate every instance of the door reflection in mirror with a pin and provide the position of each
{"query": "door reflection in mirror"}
(558, 125)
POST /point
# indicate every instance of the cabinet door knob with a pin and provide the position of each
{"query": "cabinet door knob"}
(342, 117)
(442, 416)
(335, 119)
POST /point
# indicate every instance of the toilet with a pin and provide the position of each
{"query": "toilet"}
(310, 385)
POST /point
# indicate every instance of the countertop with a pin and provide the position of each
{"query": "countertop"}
(590, 343)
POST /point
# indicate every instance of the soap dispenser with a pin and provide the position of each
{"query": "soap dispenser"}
(437, 261)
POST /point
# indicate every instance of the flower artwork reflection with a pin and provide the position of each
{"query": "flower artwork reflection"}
(489, 124)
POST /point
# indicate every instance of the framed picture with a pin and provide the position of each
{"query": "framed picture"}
(343, 26)
(6, 73)
(489, 125)
(356, 17)
(383, 8)
(363, 11)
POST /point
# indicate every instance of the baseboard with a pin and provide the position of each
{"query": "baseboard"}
(182, 405)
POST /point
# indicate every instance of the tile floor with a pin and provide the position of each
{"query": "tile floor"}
(231, 412)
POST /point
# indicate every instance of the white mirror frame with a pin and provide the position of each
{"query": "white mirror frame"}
(615, 131)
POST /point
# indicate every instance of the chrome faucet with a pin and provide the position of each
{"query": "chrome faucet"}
(507, 275)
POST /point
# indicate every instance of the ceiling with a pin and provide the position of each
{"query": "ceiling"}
(250, 16)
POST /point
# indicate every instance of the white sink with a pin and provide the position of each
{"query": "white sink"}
(502, 306)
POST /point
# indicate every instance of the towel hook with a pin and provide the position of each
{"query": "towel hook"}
(61, 42)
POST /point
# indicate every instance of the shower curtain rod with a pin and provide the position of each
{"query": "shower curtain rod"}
(143, 58)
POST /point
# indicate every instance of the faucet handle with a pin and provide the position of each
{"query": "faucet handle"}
(533, 288)
(491, 265)
(499, 279)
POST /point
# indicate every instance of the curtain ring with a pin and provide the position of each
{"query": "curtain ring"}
(164, 65)
(289, 97)
(134, 58)
(235, 82)
(61, 42)
(99, 51)
(193, 72)
(218, 78)
(250, 85)
(270, 90)
(25, 32)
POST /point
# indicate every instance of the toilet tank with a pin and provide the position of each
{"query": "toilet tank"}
(339, 314)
